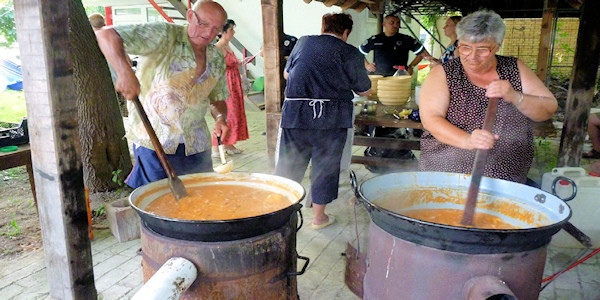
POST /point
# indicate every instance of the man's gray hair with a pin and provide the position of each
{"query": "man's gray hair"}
(481, 26)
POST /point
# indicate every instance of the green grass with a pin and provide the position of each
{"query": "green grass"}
(12, 106)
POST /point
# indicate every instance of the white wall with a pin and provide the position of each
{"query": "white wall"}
(136, 14)
(299, 18)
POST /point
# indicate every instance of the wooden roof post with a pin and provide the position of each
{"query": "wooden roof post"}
(272, 17)
(581, 88)
(548, 18)
(52, 113)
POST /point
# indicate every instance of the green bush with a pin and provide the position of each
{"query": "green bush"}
(12, 106)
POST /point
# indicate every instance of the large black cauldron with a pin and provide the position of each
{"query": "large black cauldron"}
(221, 230)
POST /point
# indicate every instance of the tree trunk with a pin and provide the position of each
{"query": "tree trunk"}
(581, 87)
(103, 147)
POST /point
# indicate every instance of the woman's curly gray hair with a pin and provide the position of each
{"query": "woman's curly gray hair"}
(481, 26)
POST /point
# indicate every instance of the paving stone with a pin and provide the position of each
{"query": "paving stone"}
(589, 273)
(110, 264)
(590, 291)
(135, 279)
(568, 294)
(12, 291)
(110, 279)
(547, 293)
(114, 292)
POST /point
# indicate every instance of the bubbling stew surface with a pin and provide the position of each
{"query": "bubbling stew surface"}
(446, 206)
(219, 202)
(453, 217)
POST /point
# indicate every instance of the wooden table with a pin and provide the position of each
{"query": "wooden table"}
(386, 120)
(21, 157)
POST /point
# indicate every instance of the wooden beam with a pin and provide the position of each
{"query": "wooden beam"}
(330, 3)
(378, 7)
(272, 18)
(548, 18)
(360, 7)
(575, 3)
(180, 7)
(581, 88)
(348, 4)
(52, 111)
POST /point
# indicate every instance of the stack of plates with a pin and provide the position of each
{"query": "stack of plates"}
(374, 79)
(394, 90)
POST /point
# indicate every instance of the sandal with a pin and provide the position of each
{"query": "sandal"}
(321, 226)
(234, 151)
(592, 154)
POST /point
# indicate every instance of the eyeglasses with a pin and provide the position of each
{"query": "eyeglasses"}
(479, 51)
(205, 25)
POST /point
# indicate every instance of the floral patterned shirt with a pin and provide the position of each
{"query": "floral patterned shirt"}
(175, 104)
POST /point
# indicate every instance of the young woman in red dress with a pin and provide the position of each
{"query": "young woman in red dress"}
(236, 115)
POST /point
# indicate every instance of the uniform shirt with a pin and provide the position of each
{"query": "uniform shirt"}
(175, 104)
(390, 51)
(323, 71)
(289, 41)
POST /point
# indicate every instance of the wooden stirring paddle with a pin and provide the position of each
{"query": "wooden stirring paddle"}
(479, 165)
(176, 185)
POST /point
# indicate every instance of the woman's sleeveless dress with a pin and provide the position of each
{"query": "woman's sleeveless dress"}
(236, 115)
(511, 157)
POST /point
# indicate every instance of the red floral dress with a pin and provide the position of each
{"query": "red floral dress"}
(236, 115)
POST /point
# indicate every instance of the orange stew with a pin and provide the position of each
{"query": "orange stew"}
(219, 202)
(453, 217)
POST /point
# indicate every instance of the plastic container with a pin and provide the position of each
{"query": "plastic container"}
(585, 206)
(400, 71)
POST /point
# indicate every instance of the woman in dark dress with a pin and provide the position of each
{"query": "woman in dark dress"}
(454, 98)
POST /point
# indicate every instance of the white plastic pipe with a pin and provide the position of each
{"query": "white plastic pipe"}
(169, 282)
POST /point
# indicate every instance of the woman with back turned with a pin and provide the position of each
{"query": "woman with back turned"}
(322, 72)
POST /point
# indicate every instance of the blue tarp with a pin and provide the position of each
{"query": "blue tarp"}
(10, 75)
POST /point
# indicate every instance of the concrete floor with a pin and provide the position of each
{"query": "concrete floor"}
(117, 266)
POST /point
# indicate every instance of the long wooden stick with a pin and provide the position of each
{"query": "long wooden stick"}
(175, 184)
(479, 165)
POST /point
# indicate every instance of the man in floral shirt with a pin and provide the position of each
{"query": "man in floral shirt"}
(180, 76)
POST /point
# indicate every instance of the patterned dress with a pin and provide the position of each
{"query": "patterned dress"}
(236, 115)
(511, 157)
(449, 52)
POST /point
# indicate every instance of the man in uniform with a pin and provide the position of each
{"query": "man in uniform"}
(391, 49)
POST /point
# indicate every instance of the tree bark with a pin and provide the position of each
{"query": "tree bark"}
(581, 88)
(101, 132)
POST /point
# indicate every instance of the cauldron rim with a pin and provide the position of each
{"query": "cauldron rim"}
(462, 239)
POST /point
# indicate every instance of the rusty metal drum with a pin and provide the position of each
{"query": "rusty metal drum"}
(260, 267)
(415, 259)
